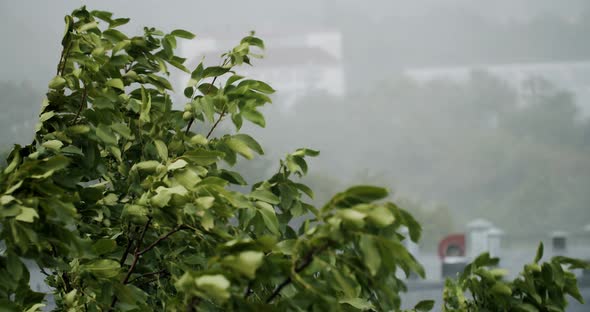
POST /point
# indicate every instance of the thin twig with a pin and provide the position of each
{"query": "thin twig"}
(161, 272)
(135, 259)
(190, 123)
(163, 237)
(305, 262)
(192, 306)
(128, 248)
(136, 253)
(82, 104)
(64, 59)
(217, 122)
(152, 280)
(66, 279)
(42, 270)
(142, 235)
(248, 290)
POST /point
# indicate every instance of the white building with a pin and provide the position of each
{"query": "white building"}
(296, 61)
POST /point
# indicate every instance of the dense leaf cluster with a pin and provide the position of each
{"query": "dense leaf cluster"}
(538, 288)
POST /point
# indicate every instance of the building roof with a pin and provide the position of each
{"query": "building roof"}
(267, 32)
(285, 57)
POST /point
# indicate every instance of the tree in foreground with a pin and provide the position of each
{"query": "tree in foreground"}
(125, 208)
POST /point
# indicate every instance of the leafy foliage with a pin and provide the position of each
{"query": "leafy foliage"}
(539, 287)
(127, 209)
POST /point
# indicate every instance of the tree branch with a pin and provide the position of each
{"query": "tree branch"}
(192, 306)
(248, 290)
(305, 262)
(136, 253)
(128, 249)
(217, 122)
(135, 259)
(161, 272)
(163, 237)
(82, 104)
(190, 123)
(63, 59)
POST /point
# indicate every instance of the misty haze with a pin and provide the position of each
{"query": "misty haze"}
(475, 115)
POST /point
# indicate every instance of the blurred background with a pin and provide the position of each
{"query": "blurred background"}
(470, 112)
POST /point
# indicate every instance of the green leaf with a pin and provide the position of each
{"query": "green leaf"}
(199, 139)
(265, 195)
(285, 247)
(102, 268)
(214, 71)
(202, 157)
(79, 129)
(196, 75)
(14, 266)
(359, 303)
(146, 106)
(268, 216)
(573, 290)
(357, 195)
(206, 104)
(57, 83)
(380, 216)
(526, 307)
(501, 289)
(36, 307)
(246, 262)
(205, 202)
(189, 91)
(87, 26)
(239, 147)
(118, 22)
(115, 36)
(237, 120)
(306, 152)
(250, 142)
(53, 144)
(177, 164)
(371, 256)
(103, 15)
(122, 129)
(305, 189)
(164, 194)
(162, 149)
(253, 41)
(424, 305)
(27, 215)
(353, 217)
(254, 116)
(116, 83)
(147, 165)
(160, 82)
(233, 177)
(181, 33)
(257, 86)
(413, 226)
(102, 102)
(233, 79)
(106, 135)
(539, 254)
(216, 286)
(104, 246)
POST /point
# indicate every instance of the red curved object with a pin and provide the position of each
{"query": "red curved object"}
(453, 242)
